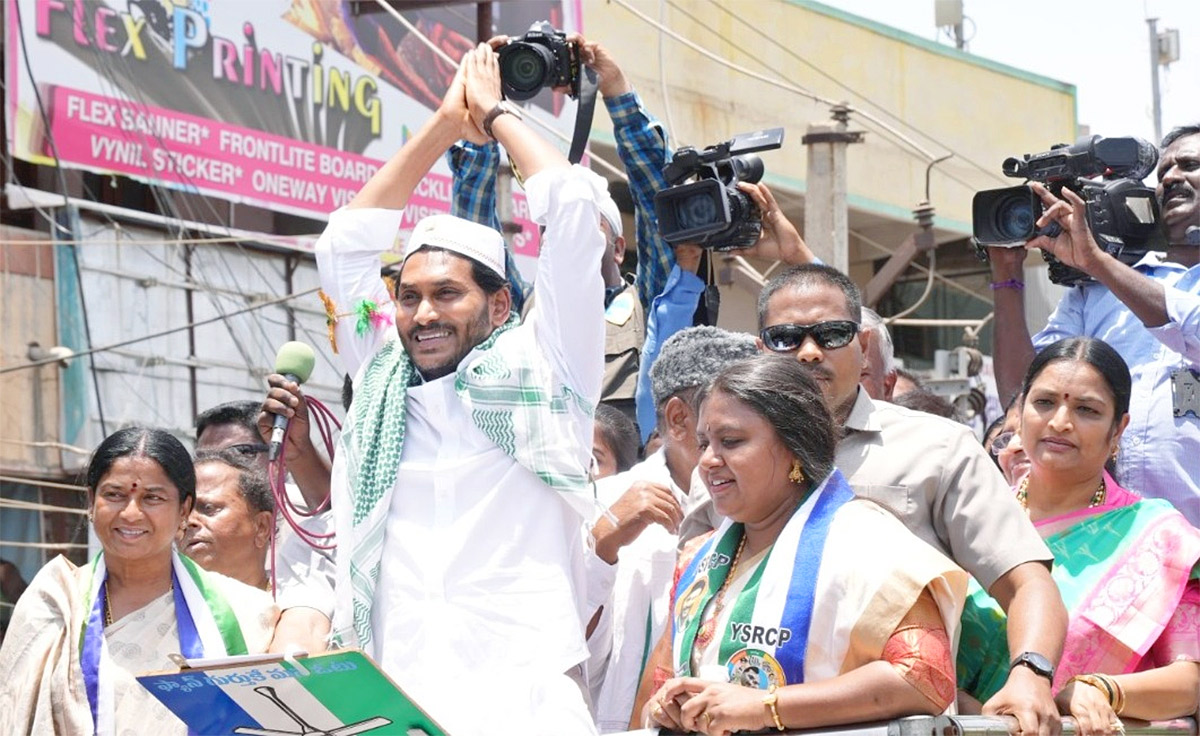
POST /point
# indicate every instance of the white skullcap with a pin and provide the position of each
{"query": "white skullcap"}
(610, 213)
(466, 238)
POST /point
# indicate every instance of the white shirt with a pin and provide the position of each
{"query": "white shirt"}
(479, 608)
(637, 612)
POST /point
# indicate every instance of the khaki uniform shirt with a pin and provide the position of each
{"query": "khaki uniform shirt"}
(935, 477)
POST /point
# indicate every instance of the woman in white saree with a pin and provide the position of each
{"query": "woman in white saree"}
(80, 635)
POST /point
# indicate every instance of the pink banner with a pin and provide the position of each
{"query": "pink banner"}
(210, 157)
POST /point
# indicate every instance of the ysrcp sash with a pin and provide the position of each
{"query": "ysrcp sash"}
(207, 624)
(766, 638)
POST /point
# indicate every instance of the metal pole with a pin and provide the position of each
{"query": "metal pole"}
(1154, 78)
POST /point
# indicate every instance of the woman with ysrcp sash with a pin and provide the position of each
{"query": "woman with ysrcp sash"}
(1128, 567)
(80, 635)
(807, 607)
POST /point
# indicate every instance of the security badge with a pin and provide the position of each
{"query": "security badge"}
(620, 310)
(1185, 392)
(755, 668)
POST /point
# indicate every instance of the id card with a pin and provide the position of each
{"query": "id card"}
(1185, 392)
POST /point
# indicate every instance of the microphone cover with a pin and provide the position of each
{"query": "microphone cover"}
(297, 359)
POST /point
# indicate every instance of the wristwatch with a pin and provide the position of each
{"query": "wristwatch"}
(503, 107)
(1036, 662)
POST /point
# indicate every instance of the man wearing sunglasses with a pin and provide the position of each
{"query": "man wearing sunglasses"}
(931, 473)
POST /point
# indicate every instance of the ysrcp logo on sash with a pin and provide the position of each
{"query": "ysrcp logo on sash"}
(755, 668)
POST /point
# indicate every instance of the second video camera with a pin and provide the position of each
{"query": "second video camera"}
(1122, 212)
(712, 212)
(541, 58)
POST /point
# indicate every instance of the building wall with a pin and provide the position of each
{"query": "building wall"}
(28, 399)
(943, 99)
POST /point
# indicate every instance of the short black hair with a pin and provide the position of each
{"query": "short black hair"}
(484, 277)
(1182, 131)
(156, 444)
(780, 390)
(1096, 353)
(809, 274)
(922, 399)
(620, 433)
(912, 377)
(252, 481)
(242, 413)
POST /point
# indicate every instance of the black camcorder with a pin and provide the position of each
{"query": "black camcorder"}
(712, 212)
(1122, 212)
(541, 58)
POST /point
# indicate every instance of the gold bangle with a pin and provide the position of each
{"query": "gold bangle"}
(770, 700)
(1107, 685)
(1118, 700)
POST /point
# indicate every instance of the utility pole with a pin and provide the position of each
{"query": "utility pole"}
(826, 220)
(1164, 49)
(1152, 22)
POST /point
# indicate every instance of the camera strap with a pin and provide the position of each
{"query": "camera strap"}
(588, 86)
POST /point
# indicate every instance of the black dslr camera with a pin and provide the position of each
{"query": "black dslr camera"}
(711, 211)
(539, 59)
(1122, 213)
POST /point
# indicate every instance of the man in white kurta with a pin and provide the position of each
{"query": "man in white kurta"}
(477, 608)
(637, 612)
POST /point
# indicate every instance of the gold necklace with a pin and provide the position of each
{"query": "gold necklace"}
(108, 614)
(1097, 497)
(705, 634)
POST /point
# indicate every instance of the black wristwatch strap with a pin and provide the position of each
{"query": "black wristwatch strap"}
(501, 108)
(1036, 662)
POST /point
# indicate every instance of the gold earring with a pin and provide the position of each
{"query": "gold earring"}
(797, 474)
(1115, 451)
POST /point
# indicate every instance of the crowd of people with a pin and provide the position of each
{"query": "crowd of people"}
(565, 508)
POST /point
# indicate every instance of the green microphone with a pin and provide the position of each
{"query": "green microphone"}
(295, 361)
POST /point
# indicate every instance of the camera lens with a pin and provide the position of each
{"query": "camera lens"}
(1013, 217)
(524, 69)
(697, 210)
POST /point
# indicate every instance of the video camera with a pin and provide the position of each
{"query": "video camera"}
(712, 212)
(1122, 213)
(541, 58)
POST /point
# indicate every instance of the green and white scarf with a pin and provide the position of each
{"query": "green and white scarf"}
(513, 396)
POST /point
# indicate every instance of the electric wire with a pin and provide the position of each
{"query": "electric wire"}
(831, 78)
(163, 333)
(456, 62)
(62, 183)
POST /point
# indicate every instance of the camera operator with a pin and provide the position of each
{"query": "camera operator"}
(642, 146)
(673, 309)
(1149, 312)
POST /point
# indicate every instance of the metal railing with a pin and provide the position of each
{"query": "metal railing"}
(1006, 725)
(983, 726)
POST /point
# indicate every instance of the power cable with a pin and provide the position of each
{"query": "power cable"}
(163, 333)
(771, 80)
(456, 62)
(62, 183)
(831, 78)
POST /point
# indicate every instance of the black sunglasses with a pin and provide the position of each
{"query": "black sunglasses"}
(828, 335)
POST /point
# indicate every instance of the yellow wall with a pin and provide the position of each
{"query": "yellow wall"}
(982, 110)
(942, 99)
